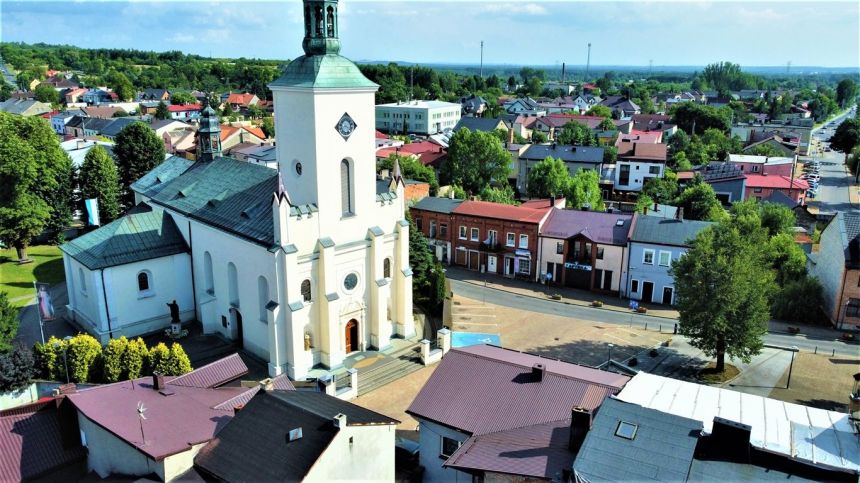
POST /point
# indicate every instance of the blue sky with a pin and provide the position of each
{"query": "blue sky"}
(536, 32)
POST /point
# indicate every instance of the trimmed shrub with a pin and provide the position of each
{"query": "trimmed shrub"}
(134, 359)
(49, 359)
(16, 368)
(158, 360)
(84, 357)
(112, 356)
(178, 362)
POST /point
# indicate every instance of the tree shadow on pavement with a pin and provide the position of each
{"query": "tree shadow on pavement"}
(589, 352)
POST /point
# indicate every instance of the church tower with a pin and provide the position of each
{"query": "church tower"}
(208, 134)
(326, 123)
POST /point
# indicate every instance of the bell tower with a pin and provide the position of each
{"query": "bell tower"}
(208, 134)
(321, 27)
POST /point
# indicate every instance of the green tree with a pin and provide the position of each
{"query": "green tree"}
(99, 179)
(600, 111)
(137, 151)
(84, 358)
(421, 261)
(777, 219)
(679, 162)
(786, 258)
(610, 154)
(228, 110)
(134, 359)
(768, 150)
(699, 202)
(642, 202)
(182, 98)
(549, 177)
(8, 323)
(661, 190)
(268, 126)
(112, 355)
(538, 137)
(158, 359)
(689, 114)
(178, 361)
(846, 92)
(847, 136)
(722, 287)
(475, 160)
(49, 359)
(498, 194)
(254, 112)
(576, 134)
(120, 84)
(46, 93)
(161, 111)
(16, 368)
(799, 300)
(584, 189)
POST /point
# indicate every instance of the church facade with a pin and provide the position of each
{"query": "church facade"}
(301, 265)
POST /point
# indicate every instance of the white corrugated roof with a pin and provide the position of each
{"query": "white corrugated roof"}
(811, 435)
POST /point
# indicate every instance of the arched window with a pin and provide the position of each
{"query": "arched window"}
(143, 281)
(83, 281)
(319, 19)
(263, 290)
(306, 290)
(307, 21)
(233, 285)
(386, 268)
(209, 279)
(330, 22)
(345, 188)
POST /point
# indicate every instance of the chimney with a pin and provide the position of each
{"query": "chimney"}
(158, 381)
(731, 439)
(70, 388)
(656, 209)
(238, 408)
(538, 371)
(339, 420)
(510, 136)
(267, 384)
(580, 424)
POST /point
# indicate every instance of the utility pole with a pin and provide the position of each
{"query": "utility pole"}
(788, 67)
(588, 62)
(411, 81)
(482, 60)
(650, 66)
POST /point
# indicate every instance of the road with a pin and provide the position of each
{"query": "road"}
(507, 299)
(833, 191)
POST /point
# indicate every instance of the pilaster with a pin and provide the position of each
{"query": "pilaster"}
(327, 299)
(403, 318)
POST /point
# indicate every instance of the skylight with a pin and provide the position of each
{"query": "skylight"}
(619, 222)
(626, 430)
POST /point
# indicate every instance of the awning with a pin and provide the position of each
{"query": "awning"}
(523, 253)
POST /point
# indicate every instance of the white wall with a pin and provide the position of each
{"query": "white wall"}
(108, 454)
(430, 438)
(612, 260)
(639, 172)
(85, 302)
(370, 457)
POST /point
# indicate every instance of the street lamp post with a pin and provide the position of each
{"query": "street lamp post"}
(793, 350)
(65, 357)
(609, 360)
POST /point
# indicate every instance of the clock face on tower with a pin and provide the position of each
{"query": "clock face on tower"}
(345, 126)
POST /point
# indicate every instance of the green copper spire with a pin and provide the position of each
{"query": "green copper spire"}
(321, 27)
(208, 134)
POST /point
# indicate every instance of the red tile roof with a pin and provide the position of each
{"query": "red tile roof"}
(241, 99)
(184, 107)
(381, 135)
(256, 131)
(777, 182)
(427, 152)
(643, 151)
(501, 211)
(483, 389)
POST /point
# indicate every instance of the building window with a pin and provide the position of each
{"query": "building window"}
(600, 253)
(83, 281)
(345, 188)
(462, 232)
(350, 282)
(853, 309)
(525, 266)
(654, 170)
(306, 290)
(432, 228)
(559, 248)
(232, 285)
(648, 257)
(524, 241)
(419, 224)
(624, 174)
(448, 447)
(443, 230)
(754, 168)
(665, 258)
(386, 268)
(511, 240)
(208, 278)
(474, 234)
(756, 190)
(491, 237)
(263, 300)
(626, 430)
(634, 286)
(143, 281)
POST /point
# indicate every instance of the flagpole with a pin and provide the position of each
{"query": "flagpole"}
(39, 312)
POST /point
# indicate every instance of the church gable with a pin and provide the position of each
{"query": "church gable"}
(227, 194)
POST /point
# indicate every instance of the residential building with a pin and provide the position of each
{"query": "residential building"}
(418, 117)
(102, 112)
(154, 95)
(433, 218)
(166, 125)
(622, 107)
(24, 107)
(84, 126)
(242, 133)
(655, 244)
(74, 95)
(774, 166)
(59, 120)
(473, 106)
(787, 148)
(761, 186)
(525, 106)
(241, 102)
(654, 122)
(95, 97)
(300, 266)
(77, 149)
(837, 267)
(184, 112)
(574, 158)
(648, 137)
(300, 436)
(265, 155)
(636, 163)
(727, 180)
(496, 414)
(112, 130)
(552, 124)
(797, 131)
(584, 249)
(497, 238)
(428, 153)
(483, 124)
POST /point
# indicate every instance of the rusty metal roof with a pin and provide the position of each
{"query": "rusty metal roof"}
(213, 374)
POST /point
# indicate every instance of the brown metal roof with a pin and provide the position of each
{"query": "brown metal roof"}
(213, 374)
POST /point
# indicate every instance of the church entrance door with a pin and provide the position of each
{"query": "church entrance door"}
(351, 336)
(237, 326)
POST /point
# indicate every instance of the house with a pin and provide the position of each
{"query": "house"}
(432, 217)
(525, 106)
(774, 166)
(638, 161)
(74, 95)
(584, 249)
(798, 131)
(495, 414)
(837, 267)
(774, 141)
(153, 95)
(60, 82)
(478, 243)
(265, 155)
(95, 97)
(745, 437)
(84, 126)
(102, 112)
(418, 117)
(473, 106)
(233, 135)
(727, 180)
(428, 153)
(288, 435)
(761, 186)
(654, 244)
(622, 107)
(24, 107)
(128, 257)
(552, 124)
(161, 126)
(77, 149)
(574, 158)
(116, 126)
(184, 112)
(646, 137)
(181, 142)
(59, 120)
(241, 102)
(483, 124)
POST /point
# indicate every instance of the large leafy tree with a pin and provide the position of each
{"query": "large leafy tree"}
(584, 189)
(722, 287)
(182, 98)
(600, 111)
(498, 194)
(138, 150)
(846, 92)
(421, 261)
(46, 93)
(161, 111)
(700, 202)
(16, 368)
(577, 134)
(847, 136)
(688, 115)
(475, 160)
(549, 177)
(120, 84)
(661, 190)
(99, 179)
(8, 323)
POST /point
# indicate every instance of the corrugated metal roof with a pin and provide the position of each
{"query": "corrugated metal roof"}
(437, 205)
(666, 231)
(152, 182)
(810, 435)
(598, 226)
(662, 447)
(483, 389)
(213, 374)
(32, 444)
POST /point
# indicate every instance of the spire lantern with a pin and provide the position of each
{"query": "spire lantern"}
(208, 134)
(321, 27)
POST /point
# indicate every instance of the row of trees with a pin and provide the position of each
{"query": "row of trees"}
(550, 177)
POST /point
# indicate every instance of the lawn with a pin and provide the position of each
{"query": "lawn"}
(17, 280)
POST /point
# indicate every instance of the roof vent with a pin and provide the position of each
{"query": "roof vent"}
(340, 420)
(166, 392)
(294, 435)
(538, 370)
(619, 222)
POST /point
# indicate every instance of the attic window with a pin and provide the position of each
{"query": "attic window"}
(619, 223)
(253, 211)
(626, 430)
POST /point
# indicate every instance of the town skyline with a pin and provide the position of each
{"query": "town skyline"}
(830, 30)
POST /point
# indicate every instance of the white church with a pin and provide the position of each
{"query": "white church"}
(301, 266)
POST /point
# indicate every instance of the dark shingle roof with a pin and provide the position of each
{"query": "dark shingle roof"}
(850, 223)
(231, 195)
(152, 182)
(666, 231)
(571, 154)
(780, 198)
(142, 234)
(597, 226)
(117, 125)
(661, 450)
(437, 205)
(485, 124)
(255, 445)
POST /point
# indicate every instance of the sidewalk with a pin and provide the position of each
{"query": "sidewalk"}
(569, 296)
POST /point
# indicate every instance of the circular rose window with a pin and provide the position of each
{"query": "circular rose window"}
(350, 282)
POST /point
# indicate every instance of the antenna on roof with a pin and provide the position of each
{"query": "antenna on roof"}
(141, 409)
